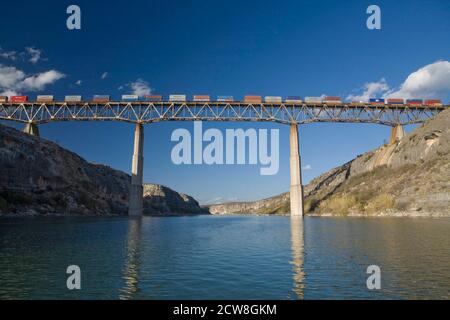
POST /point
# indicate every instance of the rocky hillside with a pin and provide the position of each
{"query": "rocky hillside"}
(38, 177)
(160, 200)
(409, 177)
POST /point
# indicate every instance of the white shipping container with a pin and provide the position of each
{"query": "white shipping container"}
(72, 98)
(293, 100)
(273, 99)
(177, 97)
(44, 98)
(313, 99)
(130, 97)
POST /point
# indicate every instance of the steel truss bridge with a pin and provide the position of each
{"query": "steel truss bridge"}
(140, 113)
(148, 112)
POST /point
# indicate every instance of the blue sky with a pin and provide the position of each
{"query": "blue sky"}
(224, 48)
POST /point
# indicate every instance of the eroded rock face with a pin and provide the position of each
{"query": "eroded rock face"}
(160, 200)
(38, 177)
(412, 177)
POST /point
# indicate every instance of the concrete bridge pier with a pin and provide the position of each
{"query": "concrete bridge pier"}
(397, 133)
(31, 128)
(137, 170)
(296, 191)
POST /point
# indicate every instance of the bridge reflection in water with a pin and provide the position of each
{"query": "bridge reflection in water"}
(297, 245)
(131, 269)
(131, 274)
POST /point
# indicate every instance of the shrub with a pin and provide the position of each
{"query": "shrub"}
(339, 204)
(381, 202)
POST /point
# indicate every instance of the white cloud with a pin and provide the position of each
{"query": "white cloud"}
(104, 75)
(39, 81)
(371, 90)
(140, 87)
(307, 167)
(430, 81)
(13, 80)
(78, 83)
(35, 54)
(8, 54)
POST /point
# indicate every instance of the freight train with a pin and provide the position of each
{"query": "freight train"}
(250, 99)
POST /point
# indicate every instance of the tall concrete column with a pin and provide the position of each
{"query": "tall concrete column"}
(137, 170)
(31, 128)
(296, 192)
(397, 133)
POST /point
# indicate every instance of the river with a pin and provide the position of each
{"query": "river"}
(225, 257)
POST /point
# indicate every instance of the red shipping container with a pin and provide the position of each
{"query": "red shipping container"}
(201, 98)
(19, 99)
(332, 98)
(433, 102)
(257, 99)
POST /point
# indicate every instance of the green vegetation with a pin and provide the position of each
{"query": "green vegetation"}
(339, 204)
(379, 203)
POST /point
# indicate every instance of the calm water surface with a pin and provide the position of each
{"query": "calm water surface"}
(225, 257)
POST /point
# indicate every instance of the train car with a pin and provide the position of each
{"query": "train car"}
(3, 99)
(153, 98)
(225, 98)
(253, 99)
(177, 97)
(293, 99)
(130, 97)
(18, 99)
(332, 100)
(394, 101)
(201, 98)
(376, 101)
(273, 99)
(101, 98)
(313, 100)
(433, 103)
(72, 98)
(415, 102)
(44, 98)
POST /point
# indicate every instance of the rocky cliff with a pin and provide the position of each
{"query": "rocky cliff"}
(160, 200)
(408, 177)
(38, 177)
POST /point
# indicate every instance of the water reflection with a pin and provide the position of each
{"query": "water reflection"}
(297, 244)
(133, 260)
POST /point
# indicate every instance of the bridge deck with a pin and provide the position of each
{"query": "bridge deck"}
(148, 112)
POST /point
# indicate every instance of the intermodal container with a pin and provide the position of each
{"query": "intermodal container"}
(152, 98)
(3, 99)
(414, 101)
(130, 97)
(72, 98)
(177, 97)
(433, 102)
(313, 99)
(376, 101)
(19, 99)
(395, 101)
(252, 99)
(273, 99)
(101, 98)
(200, 98)
(332, 99)
(44, 98)
(225, 98)
(293, 99)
